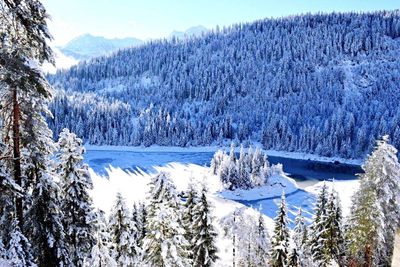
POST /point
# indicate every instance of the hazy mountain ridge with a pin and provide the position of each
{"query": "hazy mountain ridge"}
(88, 46)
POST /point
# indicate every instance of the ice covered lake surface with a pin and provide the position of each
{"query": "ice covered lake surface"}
(307, 173)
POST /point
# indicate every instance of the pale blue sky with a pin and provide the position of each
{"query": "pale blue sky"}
(157, 18)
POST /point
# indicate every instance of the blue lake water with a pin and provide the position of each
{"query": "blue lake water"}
(305, 172)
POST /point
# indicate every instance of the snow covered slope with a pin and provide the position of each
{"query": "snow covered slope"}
(191, 32)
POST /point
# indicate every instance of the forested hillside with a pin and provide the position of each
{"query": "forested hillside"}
(325, 83)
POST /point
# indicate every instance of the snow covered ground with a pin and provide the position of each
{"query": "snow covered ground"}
(134, 187)
(128, 170)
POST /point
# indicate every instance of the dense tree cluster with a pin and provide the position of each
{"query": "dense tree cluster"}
(166, 230)
(322, 83)
(249, 170)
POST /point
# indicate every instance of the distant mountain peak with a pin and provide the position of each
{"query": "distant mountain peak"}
(190, 32)
(87, 46)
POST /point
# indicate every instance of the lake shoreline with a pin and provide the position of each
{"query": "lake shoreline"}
(209, 149)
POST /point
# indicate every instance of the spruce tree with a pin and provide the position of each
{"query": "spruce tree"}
(192, 200)
(280, 240)
(318, 228)
(262, 242)
(123, 246)
(204, 234)
(164, 243)
(382, 168)
(76, 202)
(44, 224)
(300, 231)
(334, 238)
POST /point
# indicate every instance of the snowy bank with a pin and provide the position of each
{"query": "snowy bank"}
(274, 188)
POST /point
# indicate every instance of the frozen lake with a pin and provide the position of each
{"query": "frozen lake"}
(305, 172)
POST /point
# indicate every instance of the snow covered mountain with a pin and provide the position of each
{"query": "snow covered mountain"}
(191, 32)
(88, 46)
(325, 84)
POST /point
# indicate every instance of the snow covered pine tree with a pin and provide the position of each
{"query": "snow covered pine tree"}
(76, 204)
(164, 243)
(280, 239)
(375, 219)
(122, 232)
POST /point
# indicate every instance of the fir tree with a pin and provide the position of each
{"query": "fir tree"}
(123, 246)
(164, 243)
(44, 225)
(76, 203)
(204, 234)
(280, 240)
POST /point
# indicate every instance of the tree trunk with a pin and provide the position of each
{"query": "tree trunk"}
(234, 239)
(368, 256)
(17, 156)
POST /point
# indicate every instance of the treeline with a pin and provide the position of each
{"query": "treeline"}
(250, 170)
(323, 83)
(94, 118)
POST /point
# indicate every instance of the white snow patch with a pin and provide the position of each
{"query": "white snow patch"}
(274, 188)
